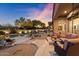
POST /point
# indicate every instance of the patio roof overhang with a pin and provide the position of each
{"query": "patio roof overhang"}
(63, 9)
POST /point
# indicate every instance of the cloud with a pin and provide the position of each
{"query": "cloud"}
(46, 14)
(32, 12)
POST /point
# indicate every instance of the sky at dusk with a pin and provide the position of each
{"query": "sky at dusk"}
(9, 12)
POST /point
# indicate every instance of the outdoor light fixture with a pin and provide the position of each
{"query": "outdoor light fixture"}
(20, 32)
(70, 15)
(6, 32)
(65, 11)
(25, 31)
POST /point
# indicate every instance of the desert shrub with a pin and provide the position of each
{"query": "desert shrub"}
(13, 31)
(2, 33)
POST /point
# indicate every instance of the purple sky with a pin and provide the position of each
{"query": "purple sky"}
(40, 11)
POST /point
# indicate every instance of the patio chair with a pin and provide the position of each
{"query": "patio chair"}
(61, 47)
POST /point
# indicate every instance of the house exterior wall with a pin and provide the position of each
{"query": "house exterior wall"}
(68, 26)
(61, 25)
(75, 26)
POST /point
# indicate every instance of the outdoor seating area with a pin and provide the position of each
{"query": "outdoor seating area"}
(65, 45)
(65, 35)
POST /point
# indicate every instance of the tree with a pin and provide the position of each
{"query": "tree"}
(50, 23)
(22, 19)
(38, 24)
(17, 22)
(43, 25)
(20, 22)
(28, 24)
(13, 31)
(2, 33)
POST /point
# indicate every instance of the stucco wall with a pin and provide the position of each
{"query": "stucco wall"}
(75, 23)
(61, 22)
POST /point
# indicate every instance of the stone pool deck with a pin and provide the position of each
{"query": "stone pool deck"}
(19, 50)
(34, 47)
